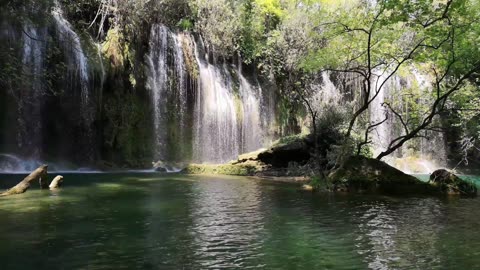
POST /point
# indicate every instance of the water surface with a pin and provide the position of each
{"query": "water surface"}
(153, 221)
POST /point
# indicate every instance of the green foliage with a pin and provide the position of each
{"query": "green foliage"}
(316, 182)
(185, 24)
(289, 139)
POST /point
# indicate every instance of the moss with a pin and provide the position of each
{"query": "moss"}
(360, 174)
(189, 56)
(290, 139)
(114, 49)
(126, 137)
(238, 107)
(451, 184)
(222, 169)
(185, 24)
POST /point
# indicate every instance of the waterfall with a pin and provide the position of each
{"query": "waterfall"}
(217, 137)
(157, 83)
(168, 83)
(231, 117)
(252, 133)
(77, 78)
(383, 134)
(30, 101)
(227, 113)
(77, 62)
(420, 155)
(51, 124)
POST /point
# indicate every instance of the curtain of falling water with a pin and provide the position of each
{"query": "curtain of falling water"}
(229, 115)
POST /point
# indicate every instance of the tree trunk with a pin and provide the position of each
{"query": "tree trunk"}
(40, 174)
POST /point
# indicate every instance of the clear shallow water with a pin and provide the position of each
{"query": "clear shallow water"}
(149, 221)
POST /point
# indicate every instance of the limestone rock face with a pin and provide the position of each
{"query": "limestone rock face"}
(451, 184)
(283, 154)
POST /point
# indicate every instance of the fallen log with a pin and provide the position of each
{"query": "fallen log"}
(40, 174)
(56, 182)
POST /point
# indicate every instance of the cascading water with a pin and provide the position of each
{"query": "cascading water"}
(158, 83)
(217, 138)
(30, 101)
(38, 110)
(382, 134)
(78, 77)
(228, 114)
(252, 131)
(77, 65)
(422, 155)
(168, 83)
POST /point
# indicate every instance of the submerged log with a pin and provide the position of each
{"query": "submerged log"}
(40, 174)
(56, 182)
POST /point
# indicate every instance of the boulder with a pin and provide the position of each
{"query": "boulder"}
(160, 169)
(451, 184)
(159, 166)
(361, 174)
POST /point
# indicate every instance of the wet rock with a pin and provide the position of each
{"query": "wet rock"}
(159, 166)
(223, 169)
(160, 169)
(451, 184)
(281, 155)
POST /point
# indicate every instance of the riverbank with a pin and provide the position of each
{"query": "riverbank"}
(289, 162)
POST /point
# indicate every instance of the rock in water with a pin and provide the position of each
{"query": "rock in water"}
(361, 174)
(56, 182)
(159, 166)
(451, 184)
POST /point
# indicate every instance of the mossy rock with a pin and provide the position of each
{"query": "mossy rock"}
(451, 184)
(361, 174)
(287, 150)
(222, 169)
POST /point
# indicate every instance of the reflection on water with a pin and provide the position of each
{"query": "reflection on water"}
(149, 221)
(227, 223)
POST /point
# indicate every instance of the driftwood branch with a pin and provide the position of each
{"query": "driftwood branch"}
(40, 174)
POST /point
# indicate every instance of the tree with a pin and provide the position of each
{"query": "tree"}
(374, 40)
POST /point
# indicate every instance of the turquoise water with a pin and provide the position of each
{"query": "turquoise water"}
(150, 221)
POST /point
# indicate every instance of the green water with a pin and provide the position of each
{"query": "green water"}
(147, 221)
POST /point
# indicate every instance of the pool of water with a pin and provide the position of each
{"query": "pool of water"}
(152, 221)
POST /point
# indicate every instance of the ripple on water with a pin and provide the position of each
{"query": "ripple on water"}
(174, 222)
